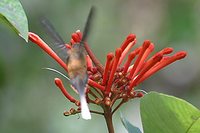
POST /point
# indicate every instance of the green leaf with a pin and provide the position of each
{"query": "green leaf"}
(129, 127)
(167, 114)
(11, 11)
(195, 127)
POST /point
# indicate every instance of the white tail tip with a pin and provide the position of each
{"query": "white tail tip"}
(85, 112)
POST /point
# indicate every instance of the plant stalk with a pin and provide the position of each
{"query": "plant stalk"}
(108, 118)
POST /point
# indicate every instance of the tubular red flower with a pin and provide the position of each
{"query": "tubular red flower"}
(142, 51)
(114, 81)
(130, 58)
(75, 37)
(149, 64)
(37, 40)
(79, 34)
(68, 46)
(167, 50)
(139, 94)
(126, 50)
(96, 85)
(164, 62)
(129, 39)
(89, 62)
(107, 66)
(144, 57)
(97, 63)
(72, 42)
(118, 53)
(60, 85)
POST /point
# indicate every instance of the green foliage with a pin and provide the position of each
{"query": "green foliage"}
(167, 114)
(11, 11)
(129, 127)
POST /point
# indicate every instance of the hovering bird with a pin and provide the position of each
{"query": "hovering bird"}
(76, 61)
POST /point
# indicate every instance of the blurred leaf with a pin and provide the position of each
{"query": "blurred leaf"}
(12, 12)
(167, 114)
(180, 23)
(129, 127)
(2, 74)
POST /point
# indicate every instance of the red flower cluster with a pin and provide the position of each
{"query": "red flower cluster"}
(114, 80)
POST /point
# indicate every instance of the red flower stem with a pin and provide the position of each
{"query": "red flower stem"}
(97, 63)
(114, 99)
(89, 100)
(92, 111)
(96, 85)
(144, 47)
(164, 62)
(93, 94)
(37, 40)
(96, 112)
(119, 105)
(99, 92)
(60, 85)
(118, 53)
(108, 62)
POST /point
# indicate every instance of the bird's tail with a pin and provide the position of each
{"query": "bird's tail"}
(85, 112)
(80, 84)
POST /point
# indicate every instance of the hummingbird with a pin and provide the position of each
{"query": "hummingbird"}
(76, 61)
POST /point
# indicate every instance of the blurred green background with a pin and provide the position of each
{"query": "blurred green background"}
(29, 100)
